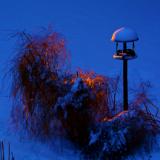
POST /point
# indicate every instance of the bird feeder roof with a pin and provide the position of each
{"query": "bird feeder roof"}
(124, 35)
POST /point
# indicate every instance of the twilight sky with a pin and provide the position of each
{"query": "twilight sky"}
(87, 26)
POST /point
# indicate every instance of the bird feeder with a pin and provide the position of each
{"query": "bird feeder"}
(125, 37)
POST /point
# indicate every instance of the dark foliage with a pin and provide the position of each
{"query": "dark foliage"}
(91, 98)
(76, 118)
(126, 134)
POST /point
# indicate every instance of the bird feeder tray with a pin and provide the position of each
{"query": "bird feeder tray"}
(127, 54)
(123, 57)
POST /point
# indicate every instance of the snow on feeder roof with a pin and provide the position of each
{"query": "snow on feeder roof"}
(124, 35)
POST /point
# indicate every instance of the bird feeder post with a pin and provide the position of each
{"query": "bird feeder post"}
(125, 79)
(125, 35)
(125, 84)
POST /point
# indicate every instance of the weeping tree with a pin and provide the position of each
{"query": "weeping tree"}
(39, 78)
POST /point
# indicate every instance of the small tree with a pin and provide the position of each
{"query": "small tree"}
(39, 72)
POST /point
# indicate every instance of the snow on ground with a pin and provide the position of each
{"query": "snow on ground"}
(26, 149)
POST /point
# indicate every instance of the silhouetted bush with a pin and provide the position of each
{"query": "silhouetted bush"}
(88, 102)
(124, 135)
(75, 113)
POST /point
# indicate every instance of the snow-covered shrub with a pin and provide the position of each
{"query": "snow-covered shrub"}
(122, 136)
(87, 103)
(103, 93)
(74, 113)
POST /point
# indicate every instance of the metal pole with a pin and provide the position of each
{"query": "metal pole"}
(125, 80)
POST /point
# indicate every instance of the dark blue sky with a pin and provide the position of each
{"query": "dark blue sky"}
(87, 26)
